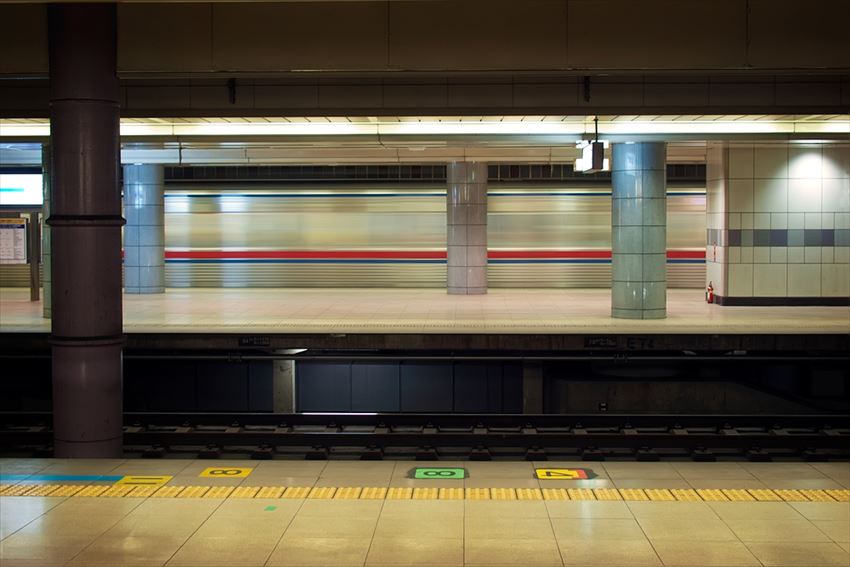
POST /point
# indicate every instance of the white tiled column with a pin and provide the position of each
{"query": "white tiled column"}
(779, 223)
(467, 228)
(144, 234)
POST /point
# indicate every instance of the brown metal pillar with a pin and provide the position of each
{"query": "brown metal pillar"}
(86, 231)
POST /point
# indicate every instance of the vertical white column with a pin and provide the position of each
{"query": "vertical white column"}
(144, 234)
(467, 228)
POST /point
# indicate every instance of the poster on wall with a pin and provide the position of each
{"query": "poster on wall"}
(13, 241)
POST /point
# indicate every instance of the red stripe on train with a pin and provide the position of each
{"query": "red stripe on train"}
(411, 254)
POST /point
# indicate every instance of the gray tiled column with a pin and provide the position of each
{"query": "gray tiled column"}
(144, 234)
(467, 228)
(639, 231)
(46, 277)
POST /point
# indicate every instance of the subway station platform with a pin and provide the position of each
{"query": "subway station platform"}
(235, 513)
(526, 311)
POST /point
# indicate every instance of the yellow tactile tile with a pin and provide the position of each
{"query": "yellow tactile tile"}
(297, 492)
(67, 490)
(478, 494)
(529, 494)
(322, 492)
(425, 493)
(93, 490)
(737, 495)
(400, 493)
(271, 492)
(555, 494)
(581, 494)
(373, 493)
(502, 494)
(659, 494)
(764, 495)
(117, 491)
(219, 492)
(607, 494)
(17, 490)
(685, 495)
(244, 491)
(348, 493)
(633, 494)
(143, 491)
(712, 495)
(451, 494)
(817, 495)
(42, 490)
(4, 488)
(168, 492)
(841, 494)
(193, 492)
(791, 495)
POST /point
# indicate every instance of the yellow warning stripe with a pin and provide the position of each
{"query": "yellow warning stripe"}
(429, 493)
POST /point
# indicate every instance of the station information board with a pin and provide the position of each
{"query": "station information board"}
(13, 241)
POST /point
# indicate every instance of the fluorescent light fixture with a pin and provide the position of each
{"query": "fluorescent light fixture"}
(339, 413)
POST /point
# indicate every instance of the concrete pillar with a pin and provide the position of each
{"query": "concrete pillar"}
(144, 234)
(283, 386)
(45, 233)
(86, 224)
(639, 231)
(467, 228)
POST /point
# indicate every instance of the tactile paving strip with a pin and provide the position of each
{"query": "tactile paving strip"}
(428, 493)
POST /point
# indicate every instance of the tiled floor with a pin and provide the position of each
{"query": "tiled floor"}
(428, 311)
(47, 531)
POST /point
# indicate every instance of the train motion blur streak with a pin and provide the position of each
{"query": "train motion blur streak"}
(368, 236)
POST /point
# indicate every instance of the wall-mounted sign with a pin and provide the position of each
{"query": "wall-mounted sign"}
(13, 241)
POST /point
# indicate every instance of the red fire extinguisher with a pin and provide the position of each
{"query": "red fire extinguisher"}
(709, 293)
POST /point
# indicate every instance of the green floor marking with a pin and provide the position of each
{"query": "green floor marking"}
(438, 473)
(270, 508)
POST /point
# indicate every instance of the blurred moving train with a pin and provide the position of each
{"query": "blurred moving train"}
(383, 235)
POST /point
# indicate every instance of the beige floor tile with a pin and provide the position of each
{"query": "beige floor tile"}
(839, 472)
(361, 509)
(507, 527)
(642, 471)
(837, 530)
(18, 511)
(273, 526)
(525, 552)
(716, 471)
(512, 509)
(503, 470)
(324, 526)
(686, 529)
(47, 548)
(625, 553)
(597, 529)
(146, 526)
(413, 508)
(425, 526)
(401, 552)
(783, 471)
(732, 483)
(256, 508)
(823, 510)
(589, 483)
(115, 550)
(494, 482)
(755, 511)
(704, 554)
(224, 550)
(690, 510)
(320, 552)
(266, 479)
(800, 554)
(587, 509)
(650, 483)
(290, 468)
(776, 530)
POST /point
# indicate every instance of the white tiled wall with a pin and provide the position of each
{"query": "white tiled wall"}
(779, 186)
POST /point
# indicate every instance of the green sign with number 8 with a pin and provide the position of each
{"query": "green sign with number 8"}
(431, 474)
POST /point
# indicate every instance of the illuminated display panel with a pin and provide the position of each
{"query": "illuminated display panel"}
(20, 188)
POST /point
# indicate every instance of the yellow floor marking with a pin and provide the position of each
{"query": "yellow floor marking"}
(425, 493)
(42, 489)
(841, 494)
(555, 494)
(219, 492)
(156, 480)
(4, 488)
(168, 492)
(142, 491)
(478, 494)
(244, 491)
(451, 494)
(581, 494)
(193, 492)
(633, 494)
(117, 491)
(685, 495)
(93, 490)
(737, 495)
(17, 490)
(659, 494)
(297, 492)
(607, 494)
(712, 495)
(348, 493)
(791, 495)
(764, 495)
(817, 495)
(400, 493)
(529, 494)
(68, 490)
(322, 492)
(271, 492)
(502, 494)
(373, 493)
(225, 472)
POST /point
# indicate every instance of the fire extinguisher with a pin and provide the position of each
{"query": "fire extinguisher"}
(709, 293)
